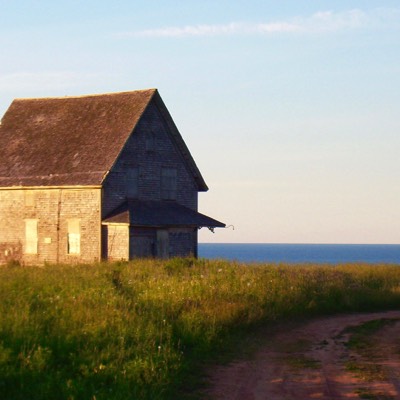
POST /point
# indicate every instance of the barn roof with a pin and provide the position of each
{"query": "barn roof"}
(67, 141)
(159, 213)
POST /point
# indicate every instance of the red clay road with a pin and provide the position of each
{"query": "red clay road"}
(311, 361)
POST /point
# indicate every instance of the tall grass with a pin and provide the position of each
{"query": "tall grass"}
(135, 330)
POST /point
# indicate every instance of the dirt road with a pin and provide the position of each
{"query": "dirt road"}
(321, 359)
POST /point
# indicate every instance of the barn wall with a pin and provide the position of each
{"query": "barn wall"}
(182, 242)
(136, 154)
(142, 242)
(52, 208)
(117, 242)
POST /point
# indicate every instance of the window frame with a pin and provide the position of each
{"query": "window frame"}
(132, 182)
(74, 236)
(169, 183)
(31, 236)
(150, 142)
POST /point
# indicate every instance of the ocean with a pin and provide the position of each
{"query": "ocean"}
(302, 253)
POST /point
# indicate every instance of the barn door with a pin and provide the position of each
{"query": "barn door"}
(162, 243)
(141, 246)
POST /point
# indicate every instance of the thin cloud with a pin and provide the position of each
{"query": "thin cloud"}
(320, 22)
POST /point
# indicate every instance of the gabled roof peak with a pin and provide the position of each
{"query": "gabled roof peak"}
(75, 140)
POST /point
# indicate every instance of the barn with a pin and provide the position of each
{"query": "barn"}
(94, 177)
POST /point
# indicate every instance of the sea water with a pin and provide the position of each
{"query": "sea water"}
(302, 253)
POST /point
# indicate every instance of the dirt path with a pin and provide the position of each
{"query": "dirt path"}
(315, 361)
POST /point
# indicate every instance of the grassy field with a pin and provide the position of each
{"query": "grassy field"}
(137, 330)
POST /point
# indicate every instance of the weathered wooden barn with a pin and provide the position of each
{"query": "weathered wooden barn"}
(96, 177)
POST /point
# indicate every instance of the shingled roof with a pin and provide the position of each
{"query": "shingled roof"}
(74, 140)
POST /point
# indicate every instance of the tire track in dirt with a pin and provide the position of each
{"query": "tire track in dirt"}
(308, 361)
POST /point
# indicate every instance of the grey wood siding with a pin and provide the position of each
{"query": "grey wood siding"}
(52, 208)
(150, 163)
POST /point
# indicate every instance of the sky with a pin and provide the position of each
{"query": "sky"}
(290, 108)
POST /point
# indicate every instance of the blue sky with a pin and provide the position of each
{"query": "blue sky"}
(290, 108)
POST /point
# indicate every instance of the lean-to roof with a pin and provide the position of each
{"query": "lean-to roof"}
(159, 213)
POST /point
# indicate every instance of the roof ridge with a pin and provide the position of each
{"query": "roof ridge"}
(85, 95)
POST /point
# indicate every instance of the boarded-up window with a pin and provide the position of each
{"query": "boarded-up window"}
(31, 236)
(150, 142)
(132, 182)
(168, 183)
(74, 236)
(163, 243)
(29, 198)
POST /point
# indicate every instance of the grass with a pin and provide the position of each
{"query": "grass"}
(366, 371)
(371, 395)
(300, 361)
(293, 354)
(144, 329)
(361, 336)
(365, 365)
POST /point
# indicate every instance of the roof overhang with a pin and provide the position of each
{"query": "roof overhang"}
(159, 214)
(76, 187)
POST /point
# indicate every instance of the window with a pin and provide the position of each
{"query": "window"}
(150, 142)
(132, 182)
(168, 183)
(74, 236)
(29, 198)
(31, 236)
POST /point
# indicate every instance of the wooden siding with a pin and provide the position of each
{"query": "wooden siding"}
(52, 208)
(182, 242)
(117, 242)
(149, 164)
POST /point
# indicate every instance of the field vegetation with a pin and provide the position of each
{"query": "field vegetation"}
(143, 329)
